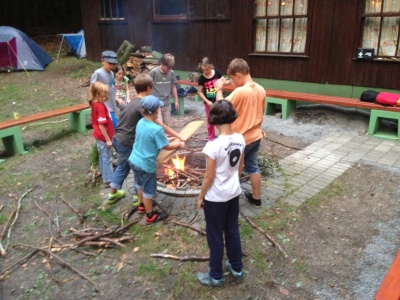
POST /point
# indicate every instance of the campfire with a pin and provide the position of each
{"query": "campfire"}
(182, 175)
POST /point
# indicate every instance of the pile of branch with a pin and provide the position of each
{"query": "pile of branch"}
(192, 177)
(101, 238)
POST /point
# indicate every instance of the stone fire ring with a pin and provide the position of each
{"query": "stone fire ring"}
(177, 192)
(197, 158)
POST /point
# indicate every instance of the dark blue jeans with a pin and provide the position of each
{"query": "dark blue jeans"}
(123, 168)
(222, 218)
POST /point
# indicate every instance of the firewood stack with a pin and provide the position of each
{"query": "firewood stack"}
(140, 62)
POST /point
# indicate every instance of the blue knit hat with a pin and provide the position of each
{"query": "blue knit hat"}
(151, 103)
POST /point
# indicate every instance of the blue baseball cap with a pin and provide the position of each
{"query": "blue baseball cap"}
(151, 103)
(109, 56)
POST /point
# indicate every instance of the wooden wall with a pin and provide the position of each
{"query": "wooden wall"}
(335, 33)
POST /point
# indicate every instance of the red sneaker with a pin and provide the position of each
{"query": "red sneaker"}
(155, 217)
(141, 209)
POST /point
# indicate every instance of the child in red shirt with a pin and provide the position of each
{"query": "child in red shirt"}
(103, 129)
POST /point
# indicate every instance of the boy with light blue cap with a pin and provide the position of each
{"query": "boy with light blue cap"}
(149, 140)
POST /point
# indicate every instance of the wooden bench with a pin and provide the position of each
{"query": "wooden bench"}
(390, 287)
(288, 101)
(10, 132)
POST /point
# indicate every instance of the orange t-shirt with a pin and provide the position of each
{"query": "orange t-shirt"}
(249, 102)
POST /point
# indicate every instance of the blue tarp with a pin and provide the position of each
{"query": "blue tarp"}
(75, 43)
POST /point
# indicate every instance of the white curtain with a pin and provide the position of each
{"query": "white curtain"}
(388, 27)
(284, 35)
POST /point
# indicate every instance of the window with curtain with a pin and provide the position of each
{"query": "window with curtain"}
(191, 9)
(280, 26)
(381, 27)
(111, 10)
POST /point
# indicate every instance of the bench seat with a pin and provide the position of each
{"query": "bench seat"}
(10, 131)
(288, 101)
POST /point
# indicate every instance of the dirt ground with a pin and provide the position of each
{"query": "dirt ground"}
(339, 244)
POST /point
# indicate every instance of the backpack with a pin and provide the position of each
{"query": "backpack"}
(388, 99)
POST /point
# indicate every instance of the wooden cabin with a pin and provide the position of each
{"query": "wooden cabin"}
(295, 44)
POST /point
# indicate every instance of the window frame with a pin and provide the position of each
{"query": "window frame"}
(104, 17)
(293, 17)
(186, 17)
(381, 15)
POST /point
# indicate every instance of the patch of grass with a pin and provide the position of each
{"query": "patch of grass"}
(184, 280)
(335, 189)
(183, 234)
(154, 270)
(3, 218)
(94, 155)
(300, 266)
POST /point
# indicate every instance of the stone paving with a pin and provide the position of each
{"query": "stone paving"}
(300, 176)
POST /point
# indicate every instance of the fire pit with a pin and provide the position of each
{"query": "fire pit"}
(182, 175)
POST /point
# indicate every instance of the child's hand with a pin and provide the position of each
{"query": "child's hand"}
(177, 105)
(109, 144)
(200, 202)
(220, 83)
(182, 145)
(183, 137)
(120, 101)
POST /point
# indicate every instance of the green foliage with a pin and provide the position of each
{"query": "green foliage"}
(155, 270)
(94, 155)
(3, 218)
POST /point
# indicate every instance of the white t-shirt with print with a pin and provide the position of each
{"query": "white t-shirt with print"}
(226, 150)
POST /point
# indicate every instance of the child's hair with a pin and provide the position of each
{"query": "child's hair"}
(118, 68)
(168, 60)
(222, 112)
(238, 65)
(142, 82)
(98, 88)
(205, 62)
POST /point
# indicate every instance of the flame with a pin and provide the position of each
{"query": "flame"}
(179, 163)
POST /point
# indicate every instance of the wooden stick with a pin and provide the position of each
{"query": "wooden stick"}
(180, 172)
(15, 218)
(102, 235)
(77, 212)
(181, 258)
(264, 233)
(189, 226)
(7, 224)
(48, 215)
(18, 262)
(62, 261)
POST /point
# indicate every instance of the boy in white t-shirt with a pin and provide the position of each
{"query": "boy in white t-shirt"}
(219, 195)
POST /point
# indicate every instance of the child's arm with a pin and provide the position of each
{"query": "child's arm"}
(241, 165)
(127, 92)
(170, 131)
(219, 84)
(90, 96)
(174, 145)
(207, 180)
(105, 134)
(201, 94)
(175, 94)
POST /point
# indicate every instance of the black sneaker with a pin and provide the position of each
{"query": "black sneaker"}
(155, 217)
(249, 197)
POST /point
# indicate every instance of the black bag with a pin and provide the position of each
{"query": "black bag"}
(369, 96)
